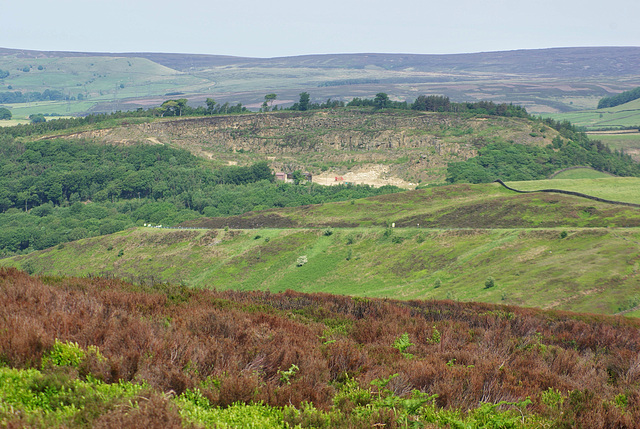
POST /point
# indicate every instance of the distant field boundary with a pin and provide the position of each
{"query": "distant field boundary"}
(575, 194)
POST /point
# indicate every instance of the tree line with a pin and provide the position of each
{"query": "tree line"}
(619, 99)
(180, 107)
(56, 191)
(10, 97)
(514, 162)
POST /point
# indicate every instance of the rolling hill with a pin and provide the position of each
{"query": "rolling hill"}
(548, 80)
(401, 147)
(542, 250)
(618, 127)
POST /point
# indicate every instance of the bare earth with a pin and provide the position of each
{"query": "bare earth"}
(373, 175)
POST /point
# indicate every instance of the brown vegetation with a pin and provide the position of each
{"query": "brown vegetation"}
(235, 345)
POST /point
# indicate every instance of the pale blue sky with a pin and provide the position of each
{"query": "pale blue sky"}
(295, 27)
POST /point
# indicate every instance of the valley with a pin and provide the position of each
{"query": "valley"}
(156, 272)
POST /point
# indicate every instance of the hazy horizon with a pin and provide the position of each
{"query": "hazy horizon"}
(304, 55)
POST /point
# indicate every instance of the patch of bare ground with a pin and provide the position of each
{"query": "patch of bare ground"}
(376, 175)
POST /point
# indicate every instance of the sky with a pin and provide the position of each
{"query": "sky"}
(274, 28)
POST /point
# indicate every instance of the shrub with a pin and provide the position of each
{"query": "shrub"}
(286, 376)
(489, 283)
(64, 354)
(397, 239)
(402, 343)
(301, 260)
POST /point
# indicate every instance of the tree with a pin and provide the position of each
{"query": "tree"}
(37, 118)
(381, 101)
(268, 102)
(303, 104)
(173, 107)
(211, 106)
(5, 113)
(489, 283)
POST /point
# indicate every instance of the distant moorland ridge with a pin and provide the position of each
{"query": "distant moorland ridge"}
(571, 61)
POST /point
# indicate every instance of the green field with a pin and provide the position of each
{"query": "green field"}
(96, 79)
(625, 115)
(581, 173)
(593, 270)
(542, 250)
(628, 142)
(128, 82)
(625, 189)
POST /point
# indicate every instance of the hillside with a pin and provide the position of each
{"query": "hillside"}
(546, 80)
(617, 126)
(618, 117)
(542, 250)
(412, 146)
(80, 352)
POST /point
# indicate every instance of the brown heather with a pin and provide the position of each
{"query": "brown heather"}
(176, 338)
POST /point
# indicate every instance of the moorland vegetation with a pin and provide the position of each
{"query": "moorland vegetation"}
(123, 355)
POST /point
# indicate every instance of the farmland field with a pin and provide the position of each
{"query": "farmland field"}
(536, 79)
(625, 189)
(624, 115)
(581, 173)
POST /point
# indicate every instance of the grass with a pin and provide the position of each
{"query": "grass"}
(629, 142)
(144, 81)
(589, 270)
(582, 173)
(543, 250)
(625, 115)
(97, 79)
(623, 189)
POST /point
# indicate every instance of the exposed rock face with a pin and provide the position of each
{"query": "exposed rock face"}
(416, 146)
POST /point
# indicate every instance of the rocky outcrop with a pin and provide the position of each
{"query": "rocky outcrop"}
(416, 145)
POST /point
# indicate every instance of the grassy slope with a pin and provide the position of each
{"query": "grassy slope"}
(531, 78)
(624, 115)
(592, 269)
(625, 189)
(581, 173)
(98, 79)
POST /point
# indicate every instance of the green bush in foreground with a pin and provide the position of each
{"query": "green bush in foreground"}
(58, 397)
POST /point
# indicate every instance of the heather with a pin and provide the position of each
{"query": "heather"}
(92, 352)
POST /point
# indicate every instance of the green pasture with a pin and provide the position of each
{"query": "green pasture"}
(581, 173)
(625, 115)
(625, 189)
(96, 79)
(593, 270)
(542, 250)
(629, 143)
